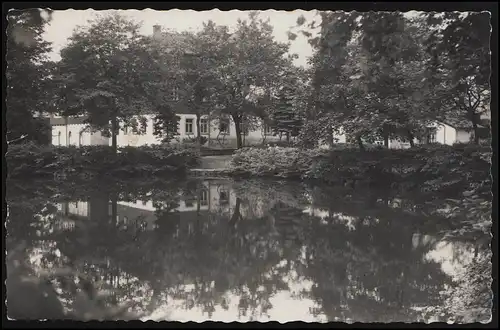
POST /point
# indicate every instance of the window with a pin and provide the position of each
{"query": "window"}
(144, 203)
(431, 136)
(204, 126)
(59, 138)
(125, 220)
(125, 129)
(223, 197)
(189, 201)
(204, 197)
(80, 139)
(268, 130)
(224, 126)
(175, 93)
(69, 139)
(189, 126)
(244, 128)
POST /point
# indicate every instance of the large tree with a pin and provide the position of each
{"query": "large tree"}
(28, 76)
(459, 66)
(373, 80)
(287, 110)
(200, 69)
(113, 75)
(250, 60)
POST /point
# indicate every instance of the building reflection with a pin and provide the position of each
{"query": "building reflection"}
(212, 196)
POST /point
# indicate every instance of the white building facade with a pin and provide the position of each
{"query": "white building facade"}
(439, 132)
(219, 133)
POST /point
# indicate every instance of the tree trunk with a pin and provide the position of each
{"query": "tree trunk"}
(360, 143)
(385, 134)
(239, 142)
(236, 213)
(386, 141)
(114, 129)
(114, 210)
(198, 129)
(330, 137)
(476, 133)
(411, 138)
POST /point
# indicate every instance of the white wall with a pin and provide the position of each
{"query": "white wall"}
(463, 136)
(78, 208)
(135, 140)
(254, 136)
(96, 138)
(143, 205)
(79, 136)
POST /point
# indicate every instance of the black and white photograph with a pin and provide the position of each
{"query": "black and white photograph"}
(248, 166)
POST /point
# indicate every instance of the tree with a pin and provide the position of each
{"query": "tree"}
(459, 69)
(28, 76)
(249, 60)
(113, 76)
(286, 117)
(369, 78)
(328, 101)
(200, 74)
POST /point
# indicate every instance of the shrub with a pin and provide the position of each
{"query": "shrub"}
(427, 168)
(273, 161)
(30, 159)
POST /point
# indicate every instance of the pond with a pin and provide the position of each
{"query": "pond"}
(224, 250)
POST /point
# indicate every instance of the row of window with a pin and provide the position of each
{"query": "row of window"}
(189, 129)
(70, 138)
(224, 127)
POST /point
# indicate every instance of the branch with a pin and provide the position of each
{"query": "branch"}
(477, 102)
(22, 137)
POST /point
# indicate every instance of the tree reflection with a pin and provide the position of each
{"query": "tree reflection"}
(213, 245)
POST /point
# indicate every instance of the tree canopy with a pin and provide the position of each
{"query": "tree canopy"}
(29, 76)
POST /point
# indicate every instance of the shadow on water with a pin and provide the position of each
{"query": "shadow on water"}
(238, 251)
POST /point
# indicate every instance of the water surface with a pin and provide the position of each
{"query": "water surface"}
(224, 250)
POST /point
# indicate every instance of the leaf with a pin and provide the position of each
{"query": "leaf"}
(301, 20)
(292, 36)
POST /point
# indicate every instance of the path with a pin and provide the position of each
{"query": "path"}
(215, 162)
(212, 166)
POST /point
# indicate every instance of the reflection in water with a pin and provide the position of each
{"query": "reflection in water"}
(232, 251)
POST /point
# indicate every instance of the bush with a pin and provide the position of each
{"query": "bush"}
(194, 140)
(30, 159)
(428, 168)
(273, 161)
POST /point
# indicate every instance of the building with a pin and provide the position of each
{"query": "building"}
(219, 133)
(448, 132)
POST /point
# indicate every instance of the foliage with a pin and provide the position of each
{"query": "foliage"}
(32, 160)
(459, 66)
(372, 79)
(28, 73)
(470, 300)
(273, 161)
(431, 169)
(287, 116)
(112, 75)
(247, 65)
(166, 124)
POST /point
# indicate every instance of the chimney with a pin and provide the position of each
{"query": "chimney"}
(156, 31)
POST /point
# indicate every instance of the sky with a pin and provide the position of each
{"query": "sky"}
(65, 21)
